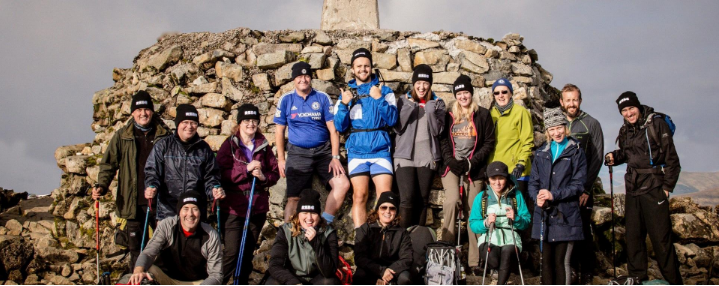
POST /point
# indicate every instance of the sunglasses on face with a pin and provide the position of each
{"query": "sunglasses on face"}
(384, 208)
(502, 92)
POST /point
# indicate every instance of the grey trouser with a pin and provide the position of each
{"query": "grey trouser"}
(449, 223)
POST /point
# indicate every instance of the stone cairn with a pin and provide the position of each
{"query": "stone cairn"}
(217, 72)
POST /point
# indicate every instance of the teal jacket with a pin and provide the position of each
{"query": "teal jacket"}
(502, 234)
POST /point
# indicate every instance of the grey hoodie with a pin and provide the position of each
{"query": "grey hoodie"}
(406, 127)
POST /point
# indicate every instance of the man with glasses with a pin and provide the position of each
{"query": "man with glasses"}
(181, 163)
(588, 131)
(314, 144)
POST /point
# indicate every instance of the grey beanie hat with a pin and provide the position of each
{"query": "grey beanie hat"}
(553, 115)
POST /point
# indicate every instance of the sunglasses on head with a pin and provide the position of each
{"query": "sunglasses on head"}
(384, 208)
(502, 92)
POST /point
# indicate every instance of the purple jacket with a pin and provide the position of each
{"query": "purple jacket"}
(236, 180)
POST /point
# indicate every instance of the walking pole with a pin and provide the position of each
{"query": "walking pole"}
(144, 230)
(541, 249)
(97, 238)
(217, 211)
(486, 258)
(460, 217)
(511, 224)
(611, 191)
(244, 233)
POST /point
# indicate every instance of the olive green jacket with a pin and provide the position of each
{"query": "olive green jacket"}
(515, 137)
(121, 155)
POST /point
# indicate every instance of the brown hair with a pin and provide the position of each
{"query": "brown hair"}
(297, 228)
(415, 96)
(373, 216)
(568, 88)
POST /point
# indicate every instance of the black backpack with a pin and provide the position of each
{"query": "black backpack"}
(421, 236)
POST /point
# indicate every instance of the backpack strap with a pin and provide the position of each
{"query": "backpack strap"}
(484, 205)
(649, 131)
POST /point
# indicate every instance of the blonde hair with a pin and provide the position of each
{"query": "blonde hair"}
(461, 114)
(297, 228)
(566, 132)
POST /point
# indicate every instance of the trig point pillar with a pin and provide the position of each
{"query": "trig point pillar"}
(350, 15)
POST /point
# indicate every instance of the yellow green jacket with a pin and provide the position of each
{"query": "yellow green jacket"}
(515, 137)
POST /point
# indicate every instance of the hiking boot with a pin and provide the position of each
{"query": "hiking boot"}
(586, 279)
(475, 271)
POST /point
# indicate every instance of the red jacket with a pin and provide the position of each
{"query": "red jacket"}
(237, 182)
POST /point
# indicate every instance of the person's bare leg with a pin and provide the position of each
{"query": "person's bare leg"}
(382, 183)
(291, 207)
(360, 186)
(340, 185)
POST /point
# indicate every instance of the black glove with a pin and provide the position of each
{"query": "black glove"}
(518, 170)
(464, 165)
(455, 166)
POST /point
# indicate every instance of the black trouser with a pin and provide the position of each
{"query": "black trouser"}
(500, 257)
(318, 280)
(556, 258)
(362, 277)
(649, 214)
(584, 255)
(410, 181)
(232, 237)
(135, 229)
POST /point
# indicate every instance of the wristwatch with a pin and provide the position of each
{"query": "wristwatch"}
(336, 157)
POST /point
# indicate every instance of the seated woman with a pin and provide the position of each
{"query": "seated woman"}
(383, 249)
(502, 205)
(305, 249)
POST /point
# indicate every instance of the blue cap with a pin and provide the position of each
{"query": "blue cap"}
(504, 82)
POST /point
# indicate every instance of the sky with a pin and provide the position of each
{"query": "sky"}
(56, 54)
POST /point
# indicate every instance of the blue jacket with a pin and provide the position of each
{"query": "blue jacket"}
(368, 113)
(502, 234)
(565, 180)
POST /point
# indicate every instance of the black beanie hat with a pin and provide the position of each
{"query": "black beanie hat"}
(463, 82)
(193, 197)
(141, 99)
(497, 168)
(186, 112)
(361, 53)
(628, 98)
(309, 202)
(422, 72)
(301, 68)
(247, 111)
(387, 197)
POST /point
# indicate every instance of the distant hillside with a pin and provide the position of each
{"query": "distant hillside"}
(703, 188)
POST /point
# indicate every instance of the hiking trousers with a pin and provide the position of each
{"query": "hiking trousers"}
(556, 257)
(414, 187)
(584, 256)
(501, 258)
(450, 182)
(648, 213)
(232, 226)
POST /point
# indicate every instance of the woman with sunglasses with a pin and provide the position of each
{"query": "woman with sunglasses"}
(383, 250)
(515, 135)
(244, 156)
(417, 149)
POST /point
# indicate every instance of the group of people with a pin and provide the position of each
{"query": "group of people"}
(512, 193)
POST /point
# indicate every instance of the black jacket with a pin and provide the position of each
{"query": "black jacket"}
(483, 146)
(377, 249)
(634, 143)
(289, 253)
(173, 171)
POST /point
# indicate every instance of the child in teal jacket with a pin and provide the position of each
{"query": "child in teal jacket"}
(498, 208)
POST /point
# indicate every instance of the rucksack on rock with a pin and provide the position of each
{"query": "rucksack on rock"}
(421, 237)
(344, 272)
(443, 264)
